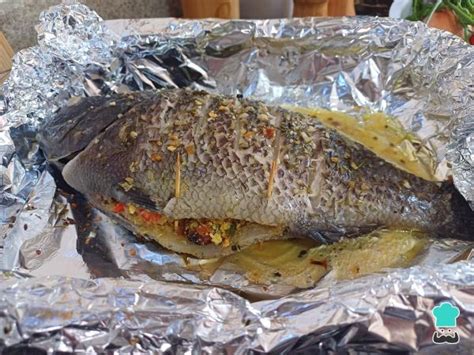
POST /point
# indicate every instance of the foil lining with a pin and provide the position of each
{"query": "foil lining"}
(378, 313)
(78, 282)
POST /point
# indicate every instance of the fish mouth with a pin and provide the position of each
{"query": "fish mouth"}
(202, 238)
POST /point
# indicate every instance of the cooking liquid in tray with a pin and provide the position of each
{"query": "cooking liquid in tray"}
(300, 263)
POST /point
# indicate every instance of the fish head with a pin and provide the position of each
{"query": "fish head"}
(105, 169)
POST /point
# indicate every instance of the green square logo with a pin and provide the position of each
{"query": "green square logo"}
(445, 315)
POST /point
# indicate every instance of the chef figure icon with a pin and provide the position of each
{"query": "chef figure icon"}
(445, 316)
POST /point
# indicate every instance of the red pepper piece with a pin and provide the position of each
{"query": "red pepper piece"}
(269, 132)
(149, 216)
(119, 207)
(203, 230)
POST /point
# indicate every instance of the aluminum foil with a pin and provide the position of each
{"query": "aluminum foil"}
(75, 281)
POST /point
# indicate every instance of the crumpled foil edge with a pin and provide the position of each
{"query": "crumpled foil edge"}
(373, 313)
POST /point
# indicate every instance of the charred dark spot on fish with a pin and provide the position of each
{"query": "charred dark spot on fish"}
(302, 253)
(277, 274)
(25, 227)
(323, 263)
(199, 239)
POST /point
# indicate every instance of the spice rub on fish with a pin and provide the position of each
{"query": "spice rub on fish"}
(199, 157)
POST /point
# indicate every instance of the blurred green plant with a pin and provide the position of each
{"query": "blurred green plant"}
(462, 9)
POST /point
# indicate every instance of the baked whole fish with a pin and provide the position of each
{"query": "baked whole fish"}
(208, 175)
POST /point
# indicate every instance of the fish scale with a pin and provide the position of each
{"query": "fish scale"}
(323, 184)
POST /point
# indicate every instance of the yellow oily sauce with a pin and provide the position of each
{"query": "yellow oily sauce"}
(301, 264)
(392, 143)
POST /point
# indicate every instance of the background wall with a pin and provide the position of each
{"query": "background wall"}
(18, 17)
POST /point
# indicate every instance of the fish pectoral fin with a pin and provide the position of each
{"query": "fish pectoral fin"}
(326, 236)
(135, 196)
(332, 233)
